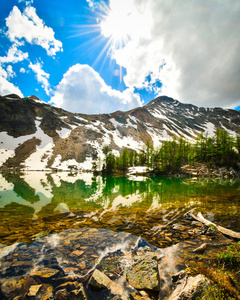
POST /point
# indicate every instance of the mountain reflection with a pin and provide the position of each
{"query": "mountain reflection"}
(35, 202)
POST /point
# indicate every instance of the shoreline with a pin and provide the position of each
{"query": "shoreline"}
(198, 170)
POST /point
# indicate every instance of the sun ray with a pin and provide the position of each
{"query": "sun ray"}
(112, 27)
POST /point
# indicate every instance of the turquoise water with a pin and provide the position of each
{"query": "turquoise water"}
(61, 225)
(36, 204)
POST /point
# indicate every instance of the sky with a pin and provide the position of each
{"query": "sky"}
(99, 56)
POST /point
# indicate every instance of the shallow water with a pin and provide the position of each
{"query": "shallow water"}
(75, 222)
(37, 204)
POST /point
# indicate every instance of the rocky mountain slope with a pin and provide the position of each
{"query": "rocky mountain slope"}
(37, 136)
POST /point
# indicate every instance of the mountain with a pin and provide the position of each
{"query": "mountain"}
(37, 136)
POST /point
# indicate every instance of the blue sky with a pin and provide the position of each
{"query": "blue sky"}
(95, 56)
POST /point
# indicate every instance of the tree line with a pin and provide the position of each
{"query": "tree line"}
(219, 150)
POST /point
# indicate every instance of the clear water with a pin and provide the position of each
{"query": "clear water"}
(37, 204)
(76, 222)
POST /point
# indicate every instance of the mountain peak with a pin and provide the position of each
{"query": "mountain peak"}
(159, 100)
(36, 136)
(12, 96)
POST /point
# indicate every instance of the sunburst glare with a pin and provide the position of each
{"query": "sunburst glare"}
(117, 25)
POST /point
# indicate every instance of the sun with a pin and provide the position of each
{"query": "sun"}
(119, 23)
(116, 26)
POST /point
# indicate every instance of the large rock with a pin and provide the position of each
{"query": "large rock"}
(190, 288)
(143, 274)
(100, 281)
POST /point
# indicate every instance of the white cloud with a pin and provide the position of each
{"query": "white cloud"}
(7, 87)
(28, 26)
(22, 70)
(83, 90)
(10, 72)
(192, 48)
(14, 55)
(42, 76)
(26, 2)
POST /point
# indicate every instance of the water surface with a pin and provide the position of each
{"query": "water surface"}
(70, 224)
(36, 204)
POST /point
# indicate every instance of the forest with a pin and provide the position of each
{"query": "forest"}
(220, 150)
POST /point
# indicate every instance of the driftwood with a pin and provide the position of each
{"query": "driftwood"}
(201, 249)
(223, 230)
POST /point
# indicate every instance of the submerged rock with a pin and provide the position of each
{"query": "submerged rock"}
(77, 294)
(70, 290)
(11, 287)
(34, 290)
(45, 292)
(45, 274)
(69, 286)
(61, 294)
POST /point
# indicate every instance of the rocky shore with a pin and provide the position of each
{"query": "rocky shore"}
(56, 267)
(199, 170)
(202, 170)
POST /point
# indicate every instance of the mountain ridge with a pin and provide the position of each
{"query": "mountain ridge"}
(35, 135)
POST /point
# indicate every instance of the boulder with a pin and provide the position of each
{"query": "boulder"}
(143, 274)
(190, 288)
(99, 280)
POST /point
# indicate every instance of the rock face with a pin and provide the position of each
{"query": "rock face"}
(35, 135)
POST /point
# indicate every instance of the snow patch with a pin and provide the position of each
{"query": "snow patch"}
(81, 119)
(64, 133)
(67, 165)
(210, 129)
(157, 113)
(126, 141)
(117, 124)
(230, 132)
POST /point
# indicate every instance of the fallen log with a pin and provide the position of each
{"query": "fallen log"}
(223, 230)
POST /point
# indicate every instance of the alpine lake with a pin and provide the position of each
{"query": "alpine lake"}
(74, 223)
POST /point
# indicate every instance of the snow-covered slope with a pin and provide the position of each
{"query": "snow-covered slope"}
(38, 136)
